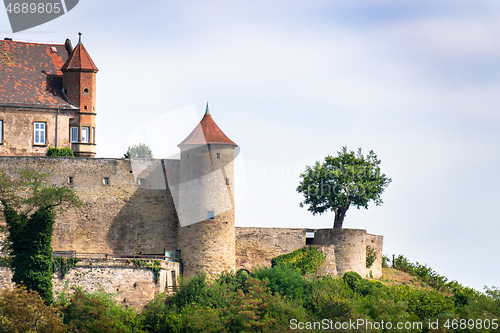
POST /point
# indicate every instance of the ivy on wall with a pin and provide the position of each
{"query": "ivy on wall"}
(153, 265)
(63, 265)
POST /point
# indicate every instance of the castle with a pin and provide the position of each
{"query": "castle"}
(179, 211)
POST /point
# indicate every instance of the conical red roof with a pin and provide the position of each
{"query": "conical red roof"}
(79, 60)
(207, 132)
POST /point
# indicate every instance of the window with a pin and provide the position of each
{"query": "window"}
(1, 131)
(74, 134)
(210, 215)
(105, 181)
(218, 156)
(141, 181)
(85, 134)
(227, 181)
(70, 180)
(40, 133)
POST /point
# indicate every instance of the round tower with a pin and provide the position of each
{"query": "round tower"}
(206, 200)
(79, 87)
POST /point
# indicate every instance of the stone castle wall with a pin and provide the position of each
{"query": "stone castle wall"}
(257, 246)
(127, 207)
(131, 285)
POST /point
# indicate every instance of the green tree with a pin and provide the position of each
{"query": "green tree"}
(141, 150)
(29, 207)
(341, 181)
(22, 310)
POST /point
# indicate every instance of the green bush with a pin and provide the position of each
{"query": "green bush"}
(97, 312)
(285, 281)
(306, 260)
(60, 152)
(22, 310)
(371, 256)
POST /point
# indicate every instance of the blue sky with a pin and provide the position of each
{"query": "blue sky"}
(294, 81)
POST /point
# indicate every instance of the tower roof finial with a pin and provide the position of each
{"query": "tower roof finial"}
(207, 111)
(79, 38)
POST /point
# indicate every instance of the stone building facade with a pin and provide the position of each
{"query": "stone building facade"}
(181, 212)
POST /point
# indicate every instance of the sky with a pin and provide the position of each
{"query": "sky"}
(292, 82)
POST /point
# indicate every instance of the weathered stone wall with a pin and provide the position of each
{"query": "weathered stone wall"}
(131, 285)
(350, 248)
(6, 278)
(330, 267)
(257, 246)
(377, 243)
(18, 130)
(120, 217)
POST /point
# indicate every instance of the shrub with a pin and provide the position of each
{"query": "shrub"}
(284, 281)
(22, 310)
(60, 152)
(306, 260)
(97, 312)
(371, 256)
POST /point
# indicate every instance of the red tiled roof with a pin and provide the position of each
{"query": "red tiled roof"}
(206, 132)
(80, 60)
(30, 74)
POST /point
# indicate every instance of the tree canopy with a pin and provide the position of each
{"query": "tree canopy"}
(29, 206)
(348, 179)
(141, 150)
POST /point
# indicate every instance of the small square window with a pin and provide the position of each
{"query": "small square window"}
(210, 215)
(70, 180)
(105, 181)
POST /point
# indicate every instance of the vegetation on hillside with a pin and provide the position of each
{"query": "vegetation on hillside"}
(276, 299)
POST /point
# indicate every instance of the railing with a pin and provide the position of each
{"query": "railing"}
(84, 255)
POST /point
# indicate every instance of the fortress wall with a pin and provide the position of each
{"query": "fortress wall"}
(6, 278)
(330, 267)
(132, 285)
(350, 248)
(257, 246)
(122, 217)
(376, 242)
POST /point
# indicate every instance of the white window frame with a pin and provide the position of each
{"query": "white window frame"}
(85, 134)
(40, 133)
(74, 134)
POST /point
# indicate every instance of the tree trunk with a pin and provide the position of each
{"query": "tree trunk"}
(339, 217)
